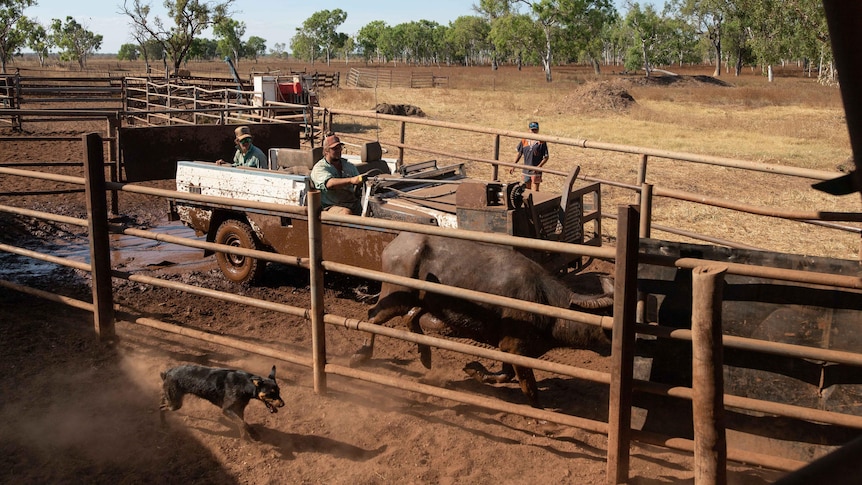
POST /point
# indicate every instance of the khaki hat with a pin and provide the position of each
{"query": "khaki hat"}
(242, 132)
(331, 141)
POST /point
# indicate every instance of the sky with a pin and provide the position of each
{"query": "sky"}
(275, 21)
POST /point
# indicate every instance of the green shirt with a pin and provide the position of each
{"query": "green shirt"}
(254, 158)
(344, 196)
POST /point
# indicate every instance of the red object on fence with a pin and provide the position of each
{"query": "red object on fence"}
(290, 88)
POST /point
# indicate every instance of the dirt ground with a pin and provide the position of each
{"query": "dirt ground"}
(73, 410)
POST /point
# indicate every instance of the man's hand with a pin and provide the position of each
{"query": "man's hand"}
(357, 180)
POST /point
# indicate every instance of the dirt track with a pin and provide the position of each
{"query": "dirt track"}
(74, 410)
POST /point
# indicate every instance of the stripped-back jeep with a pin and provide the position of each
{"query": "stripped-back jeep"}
(423, 193)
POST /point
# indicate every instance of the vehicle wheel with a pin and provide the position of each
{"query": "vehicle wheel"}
(239, 269)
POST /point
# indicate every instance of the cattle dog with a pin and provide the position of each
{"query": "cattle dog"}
(229, 389)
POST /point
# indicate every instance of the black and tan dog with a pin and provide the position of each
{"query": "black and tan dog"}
(229, 389)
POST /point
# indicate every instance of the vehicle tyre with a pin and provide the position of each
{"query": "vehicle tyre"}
(239, 269)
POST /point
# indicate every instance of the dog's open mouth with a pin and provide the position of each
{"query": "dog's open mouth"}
(271, 405)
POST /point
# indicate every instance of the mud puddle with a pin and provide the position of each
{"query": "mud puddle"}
(128, 253)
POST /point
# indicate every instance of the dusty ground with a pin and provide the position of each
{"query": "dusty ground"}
(74, 410)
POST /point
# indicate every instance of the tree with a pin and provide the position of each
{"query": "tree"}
(321, 30)
(303, 46)
(370, 38)
(190, 17)
(492, 10)
(278, 50)
(128, 52)
(518, 36)
(548, 15)
(648, 33)
(203, 49)
(468, 37)
(582, 27)
(708, 17)
(37, 38)
(228, 33)
(12, 37)
(76, 43)
(255, 47)
(347, 47)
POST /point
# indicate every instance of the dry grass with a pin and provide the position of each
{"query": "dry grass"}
(793, 121)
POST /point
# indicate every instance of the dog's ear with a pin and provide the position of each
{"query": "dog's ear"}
(272, 373)
(256, 380)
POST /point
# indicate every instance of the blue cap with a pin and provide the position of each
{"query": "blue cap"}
(534, 125)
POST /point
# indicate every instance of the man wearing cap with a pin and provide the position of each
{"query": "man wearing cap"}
(247, 155)
(336, 179)
(535, 154)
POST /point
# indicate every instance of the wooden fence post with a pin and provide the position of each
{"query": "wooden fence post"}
(315, 257)
(710, 444)
(100, 244)
(622, 346)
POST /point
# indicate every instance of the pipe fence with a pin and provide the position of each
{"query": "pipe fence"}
(163, 102)
(620, 379)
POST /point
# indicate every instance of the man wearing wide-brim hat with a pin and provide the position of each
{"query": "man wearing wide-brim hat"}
(247, 155)
(336, 178)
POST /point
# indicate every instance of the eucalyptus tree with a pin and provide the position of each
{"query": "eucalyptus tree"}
(493, 10)
(255, 47)
(708, 18)
(582, 26)
(76, 43)
(202, 49)
(547, 14)
(650, 38)
(422, 41)
(12, 36)
(467, 36)
(228, 33)
(369, 39)
(518, 36)
(128, 52)
(37, 38)
(190, 18)
(278, 50)
(321, 29)
(303, 46)
(390, 42)
(347, 48)
(813, 35)
(571, 27)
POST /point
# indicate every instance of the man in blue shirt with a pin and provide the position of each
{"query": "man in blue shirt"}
(247, 155)
(535, 154)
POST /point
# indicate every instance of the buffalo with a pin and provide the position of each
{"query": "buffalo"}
(491, 269)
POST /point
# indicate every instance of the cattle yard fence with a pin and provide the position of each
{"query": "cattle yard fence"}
(148, 101)
(625, 324)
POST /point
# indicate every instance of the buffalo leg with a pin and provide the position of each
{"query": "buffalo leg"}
(418, 321)
(527, 380)
(365, 352)
(479, 372)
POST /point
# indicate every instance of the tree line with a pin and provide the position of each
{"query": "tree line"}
(727, 34)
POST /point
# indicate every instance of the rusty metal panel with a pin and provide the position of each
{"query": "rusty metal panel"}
(766, 309)
(353, 245)
(151, 153)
